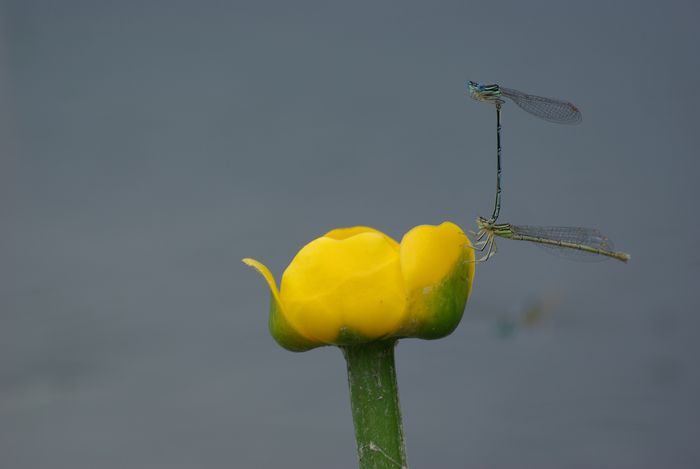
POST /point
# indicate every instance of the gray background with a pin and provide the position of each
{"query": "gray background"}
(147, 147)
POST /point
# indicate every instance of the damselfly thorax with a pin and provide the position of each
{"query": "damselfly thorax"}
(485, 93)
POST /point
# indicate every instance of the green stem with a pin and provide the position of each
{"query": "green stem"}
(374, 398)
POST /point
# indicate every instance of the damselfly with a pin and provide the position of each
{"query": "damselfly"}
(586, 241)
(549, 109)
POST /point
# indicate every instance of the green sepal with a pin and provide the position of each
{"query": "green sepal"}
(283, 332)
(436, 312)
(348, 337)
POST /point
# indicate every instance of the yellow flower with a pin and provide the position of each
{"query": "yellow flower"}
(356, 285)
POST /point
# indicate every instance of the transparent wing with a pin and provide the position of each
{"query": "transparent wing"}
(569, 234)
(549, 109)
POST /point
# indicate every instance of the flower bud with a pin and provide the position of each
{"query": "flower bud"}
(356, 285)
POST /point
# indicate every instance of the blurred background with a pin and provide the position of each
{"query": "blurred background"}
(146, 147)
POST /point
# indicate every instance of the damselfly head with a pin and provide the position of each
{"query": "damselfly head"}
(473, 88)
(484, 224)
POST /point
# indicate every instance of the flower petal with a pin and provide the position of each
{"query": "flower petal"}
(437, 263)
(267, 275)
(281, 329)
(344, 233)
(345, 284)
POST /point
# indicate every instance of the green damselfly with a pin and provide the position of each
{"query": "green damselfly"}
(584, 241)
(549, 109)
